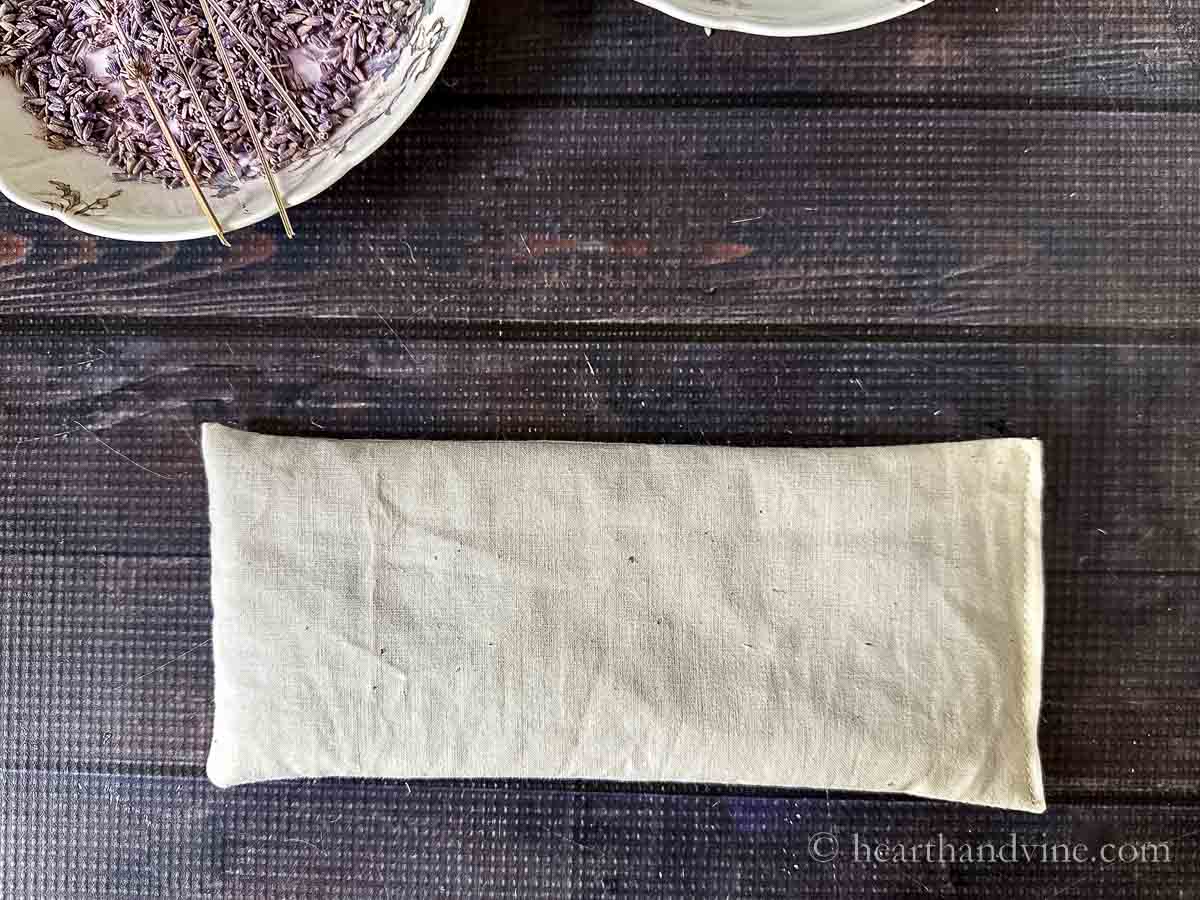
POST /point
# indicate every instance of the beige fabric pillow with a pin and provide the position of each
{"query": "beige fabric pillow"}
(867, 619)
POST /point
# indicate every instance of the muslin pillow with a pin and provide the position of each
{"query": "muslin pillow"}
(865, 619)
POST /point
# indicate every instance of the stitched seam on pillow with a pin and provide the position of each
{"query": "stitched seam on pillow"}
(1030, 739)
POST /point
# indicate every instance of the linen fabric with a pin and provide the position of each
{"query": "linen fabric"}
(865, 619)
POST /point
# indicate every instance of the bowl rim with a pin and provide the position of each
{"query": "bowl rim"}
(886, 12)
(97, 228)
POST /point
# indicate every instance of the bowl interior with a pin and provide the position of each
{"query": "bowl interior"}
(786, 17)
(82, 190)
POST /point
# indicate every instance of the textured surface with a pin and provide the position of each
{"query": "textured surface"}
(978, 220)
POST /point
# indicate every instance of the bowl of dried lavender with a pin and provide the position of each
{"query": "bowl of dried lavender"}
(164, 120)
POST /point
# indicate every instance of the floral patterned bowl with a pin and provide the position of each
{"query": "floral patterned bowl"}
(83, 191)
(785, 18)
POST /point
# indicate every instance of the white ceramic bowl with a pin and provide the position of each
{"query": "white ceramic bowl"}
(786, 18)
(83, 191)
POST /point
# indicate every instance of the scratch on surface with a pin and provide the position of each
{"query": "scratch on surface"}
(315, 424)
(171, 661)
(44, 437)
(395, 334)
(188, 434)
(570, 840)
(84, 362)
(411, 254)
(589, 365)
(747, 219)
(304, 842)
(967, 270)
(113, 449)
(525, 243)
(832, 831)
(924, 887)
